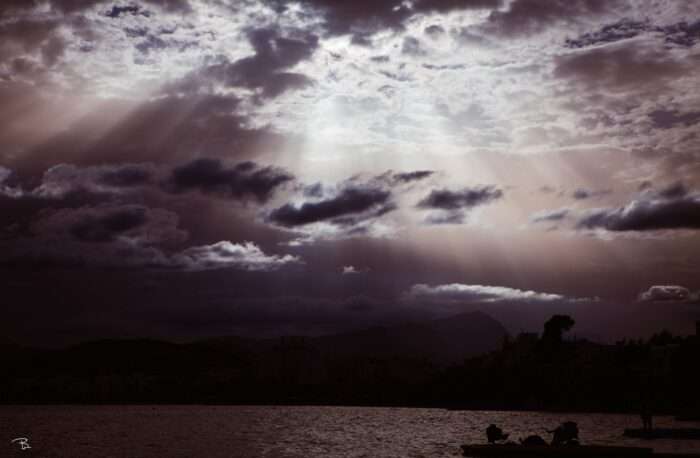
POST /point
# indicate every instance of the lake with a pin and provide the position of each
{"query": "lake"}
(286, 432)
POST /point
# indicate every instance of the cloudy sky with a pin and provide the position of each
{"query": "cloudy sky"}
(202, 167)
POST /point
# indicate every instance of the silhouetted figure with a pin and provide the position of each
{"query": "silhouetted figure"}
(495, 434)
(646, 414)
(554, 328)
(533, 441)
(565, 434)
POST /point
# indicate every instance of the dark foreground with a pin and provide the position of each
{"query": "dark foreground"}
(579, 451)
(465, 362)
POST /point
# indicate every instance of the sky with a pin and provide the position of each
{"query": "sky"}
(188, 168)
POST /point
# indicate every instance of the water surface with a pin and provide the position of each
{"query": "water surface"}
(288, 432)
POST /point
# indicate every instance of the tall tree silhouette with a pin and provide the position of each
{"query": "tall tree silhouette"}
(555, 327)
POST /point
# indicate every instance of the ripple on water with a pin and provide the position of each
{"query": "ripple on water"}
(291, 432)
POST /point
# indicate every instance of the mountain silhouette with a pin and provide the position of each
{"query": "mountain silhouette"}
(380, 365)
(442, 341)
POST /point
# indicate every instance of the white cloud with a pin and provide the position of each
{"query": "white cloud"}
(669, 293)
(352, 270)
(458, 292)
(224, 254)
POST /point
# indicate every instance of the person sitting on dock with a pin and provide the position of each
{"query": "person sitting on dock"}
(495, 434)
(565, 434)
(533, 441)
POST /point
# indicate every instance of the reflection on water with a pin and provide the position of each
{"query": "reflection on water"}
(224, 431)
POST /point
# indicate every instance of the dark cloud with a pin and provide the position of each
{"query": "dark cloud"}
(345, 208)
(243, 181)
(125, 236)
(380, 59)
(673, 208)
(445, 67)
(127, 175)
(447, 218)
(619, 68)
(442, 6)
(667, 119)
(682, 34)
(452, 206)
(264, 71)
(532, 16)
(391, 178)
(105, 227)
(151, 42)
(673, 191)
(609, 33)
(71, 6)
(313, 190)
(434, 30)
(117, 11)
(75, 6)
(359, 17)
(64, 179)
(20, 209)
(83, 199)
(106, 222)
(413, 47)
(408, 177)
(550, 215)
(445, 199)
(582, 193)
(679, 34)
(362, 18)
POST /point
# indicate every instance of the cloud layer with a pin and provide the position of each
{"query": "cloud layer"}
(327, 149)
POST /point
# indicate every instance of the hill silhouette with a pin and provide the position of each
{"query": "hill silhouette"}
(376, 365)
(466, 361)
(442, 341)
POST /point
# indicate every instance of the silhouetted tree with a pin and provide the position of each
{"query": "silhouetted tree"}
(662, 338)
(555, 327)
